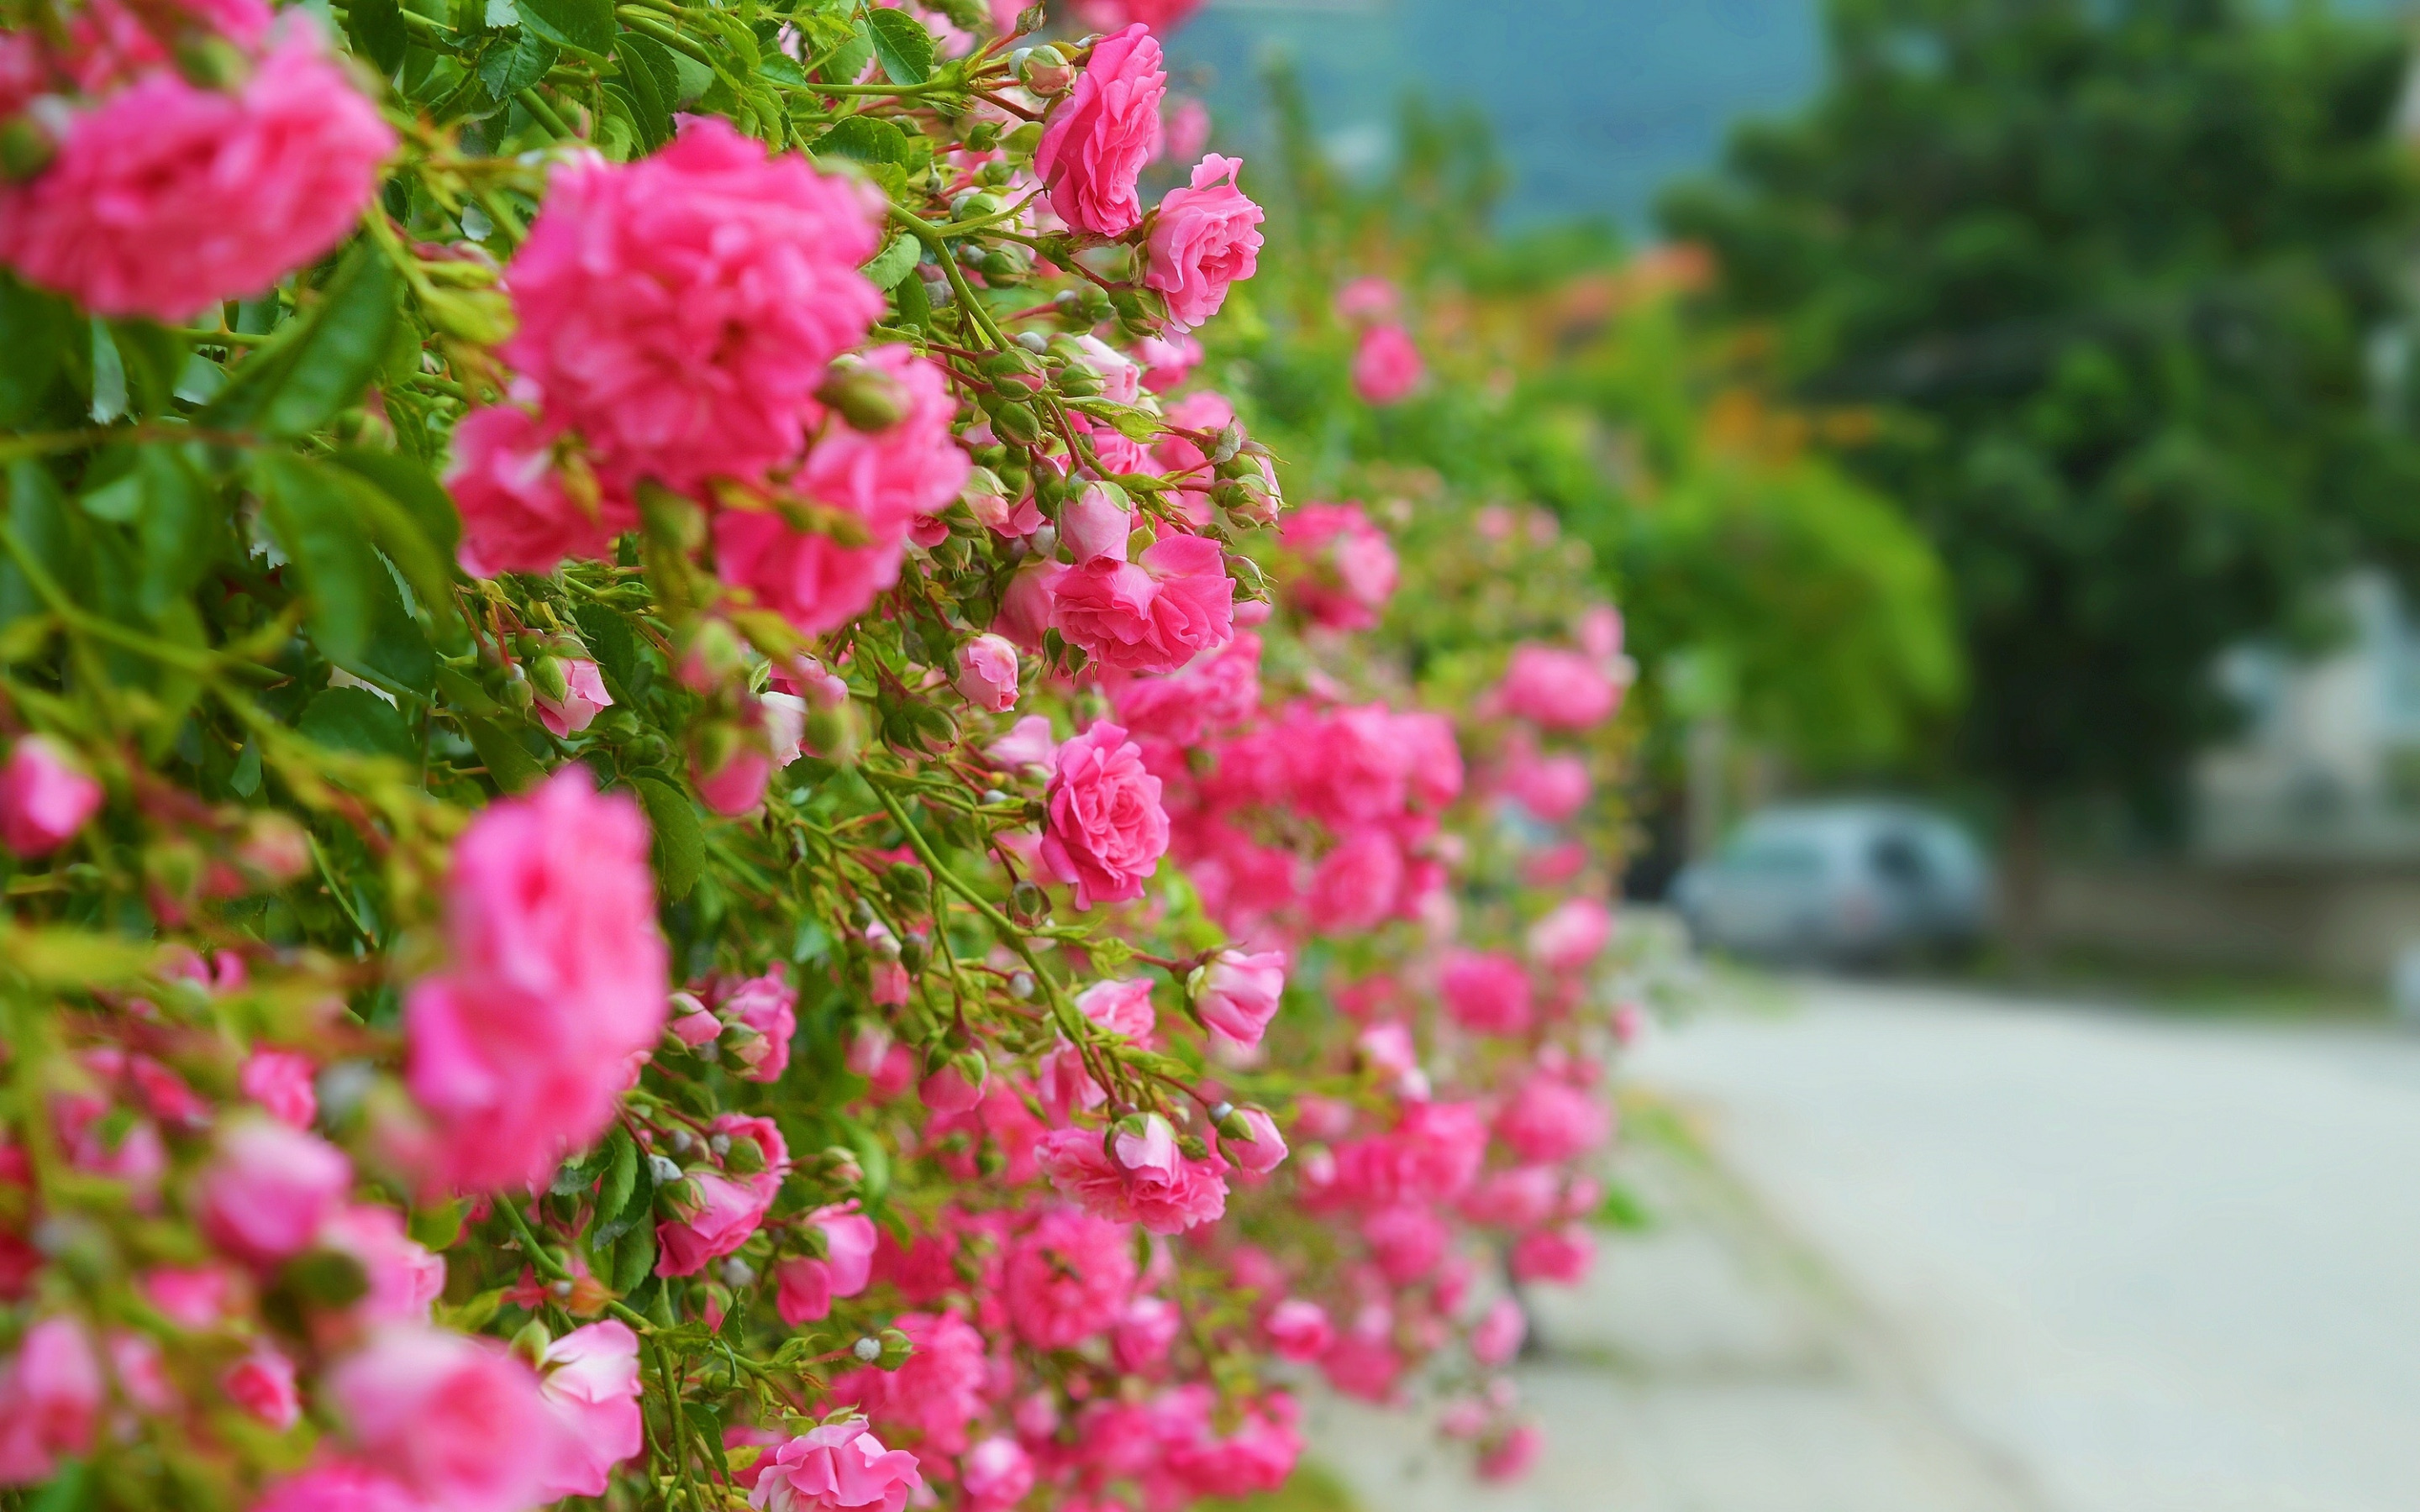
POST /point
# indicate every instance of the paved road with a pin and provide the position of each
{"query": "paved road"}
(1957, 1253)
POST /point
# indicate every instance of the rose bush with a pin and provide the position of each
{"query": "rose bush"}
(848, 910)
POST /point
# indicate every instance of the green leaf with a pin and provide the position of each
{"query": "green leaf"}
(681, 839)
(620, 1170)
(902, 45)
(513, 768)
(398, 656)
(634, 1258)
(613, 648)
(357, 719)
(511, 65)
(637, 1206)
(69, 1490)
(151, 358)
(108, 375)
(406, 481)
(894, 262)
(376, 27)
(35, 331)
(309, 511)
(649, 92)
(176, 531)
(849, 62)
(865, 139)
(585, 24)
(783, 69)
(300, 382)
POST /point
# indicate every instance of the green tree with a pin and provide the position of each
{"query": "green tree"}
(2106, 270)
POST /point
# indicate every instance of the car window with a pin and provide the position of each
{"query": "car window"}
(1772, 857)
(1896, 858)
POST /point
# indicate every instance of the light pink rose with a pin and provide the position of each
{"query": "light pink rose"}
(1548, 1119)
(727, 1207)
(460, 1421)
(1264, 1152)
(1206, 238)
(996, 1473)
(520, 1050)
(1498, 1336)
(681, 310)
(766, 1008)
(281, 1082)
(584, 695)
(45, 796)
(1352, 565)
(1106, 830)
(167, 197)
(1121, 1007)
(834, 1468)
(1368, 299)
(1386, 367)
(267, 1188)
(1238, 992)
(1028, 743)
(262, 1384)
(1068, 1277)
(1098, 140)
(1150, 1182)
(1486, 991)
(340, 1486)
(811, 580)
(1152, 615)
(987, 673)
(1168, 360)
(1571, 935)
(1298, 1330)
(50, 1400)
(515, 513)
(1095, 524)
(1184, 129)
(589, 1380)
(1559, 1255)
(1558, 689)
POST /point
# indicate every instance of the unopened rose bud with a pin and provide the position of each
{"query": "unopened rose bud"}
(745, 1158)
(1043, 71)
(530, 1344)
(1015, 421)
(547, 679)
(867, 397)
(517, 691)
(664, 1170)
(712, 656)
(274, 848)
(1027, 902)
(897, 1348)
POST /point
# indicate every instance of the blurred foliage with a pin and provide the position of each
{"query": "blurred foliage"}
(2098, 279)
(1564, 376)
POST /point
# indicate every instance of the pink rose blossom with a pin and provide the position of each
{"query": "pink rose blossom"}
(281, 1082)
(45, 796)
(1237, 994)
(929, 1399)
(589, 1380)
(1299, 1329)
(726, 1210)
(1068, 1277)
(1353, 565)
(1512, 1456)
(1095, 523)
(766, 1008)
(1355, 889)
(996, 1473)
(1552, 788)
(404, 1277)
(1571, 935)
(1218, 691)
(835, 1468)
(1516, 1199)
(1561, 1255)
(262, 1384)
(192, 1297)
(517, 515)
(1368, 299)
(811, 580)
(1150, 1182)
(1152, 615)
(948, 1091)
(1498, 1336)
(1264, 1152)
(584, 695)
(1168, 360)
(1548, 1120)
(457, 1420)
(1406, 1242)
(806, 1287)
(1206, 238)
(1255, 1459)
(1140, 1339)
(987, 673)
(267, 1188)
(340, 1486)
(167, 197)
(520, 1049)
(680, 311)
(1558, 690)
(108, 44)
(50, 1400)
(911, 467)
(1486, 991)
(1386, 367)
(1161, 16)
(1184, 129)
(1098, 140)
(1106, 830)
(1121, 1007)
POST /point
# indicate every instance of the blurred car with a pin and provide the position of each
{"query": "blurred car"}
(1844, 884)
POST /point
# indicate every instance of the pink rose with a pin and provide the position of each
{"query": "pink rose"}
(1159, 15)
(996, 1473)
(262, 1384)
(1487, 993)
(1368, 299)
(987, 673)
(1098, 139)
(589, 1380)
(1386, 367)
(520, 1050)
(269, 1188)
(1068, 1277)
(1561, 1255)
(1106, 830)
(404, 1277)
(931, 1398)
(1548, 1120)
(806, 1287)
(1255, 1458)
(888, 476)
(1168, 360)
(834, 1468)
(340, 1486)
(50, 1400)
(584, 695)
(1571, 935)
(1149, 1182)
(1205, 239)
(1432, 758)
(1217, 692)
(1095, 524)
(1406, 1242)
(1498, 1336)
(1510, 1457)
(1184, 129)
(457, 1420)
(515, 513)
(45, 796)
(1264, 1152)
(812, 582)
(1352, 565)
(1237, 994)
(1552, 788)
(1298, 1330)
(1514, 1199)
(1153, 615)
(726, 1208)
(1028, 743)
(281, 1082)
(1558, 690)
(681, 310)
(1121, 1007)
(766, 1008)
(1030, 604)
(1355, 887)
(194, 1297)
(167, 197)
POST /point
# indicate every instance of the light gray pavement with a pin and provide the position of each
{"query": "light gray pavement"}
(1920, 1251)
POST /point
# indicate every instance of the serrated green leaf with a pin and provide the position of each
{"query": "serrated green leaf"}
(35, 331)
(679, 839)
(513, 63)
(634, 1258)
(513, 768)
(864, 139)
(176, 530)
(585, 25)
(376, 27)
(621, 1174)
(309, 513)
(613, 647)
(894, 262)
(298, 382)
(357, 719)
(901, 45)
(847, 64)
